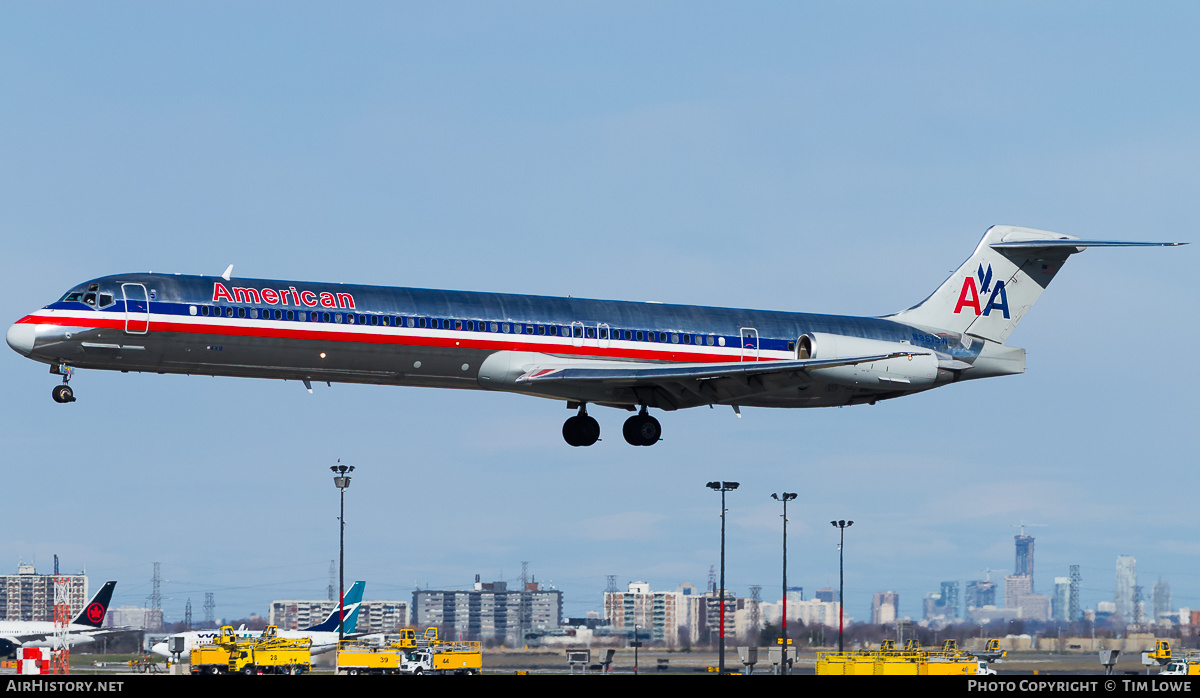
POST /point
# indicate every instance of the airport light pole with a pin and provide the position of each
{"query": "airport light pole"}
(722, 487)
(341, 481)
(785, 498)
(843, 525)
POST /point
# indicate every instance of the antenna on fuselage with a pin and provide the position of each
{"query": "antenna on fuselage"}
(228, 272)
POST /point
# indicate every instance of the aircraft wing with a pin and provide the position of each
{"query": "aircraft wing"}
(678, 386)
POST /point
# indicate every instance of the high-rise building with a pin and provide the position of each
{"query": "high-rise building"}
(950, 599)
(658, 613)
(28, 595)
(1024, 559)
(827, 595)
(885, 607)
(704, 616)
(1125, 596)
(1019, 596)
(980, 593)
(1061, 604)
(490, 611)
(1162, 600)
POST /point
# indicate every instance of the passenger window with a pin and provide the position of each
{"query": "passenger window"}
(708, 340)
(228, 311)
(254, 313)
(529, 329)
(494, 327)
(241, 312)
(290, 315)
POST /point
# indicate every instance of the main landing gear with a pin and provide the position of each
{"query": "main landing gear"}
(639, 430)
(62, 393)
(642, 429)
(581, 430)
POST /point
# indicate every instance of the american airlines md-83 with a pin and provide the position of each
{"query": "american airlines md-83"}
(630, 355)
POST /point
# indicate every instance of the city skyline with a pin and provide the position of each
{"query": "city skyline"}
(829, 158)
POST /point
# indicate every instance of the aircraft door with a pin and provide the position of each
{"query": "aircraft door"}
(577, 333)
(603, 335)
(749, 344)
(137, 309)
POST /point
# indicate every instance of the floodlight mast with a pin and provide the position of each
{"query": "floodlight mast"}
(842, 525)
(785, 498)
(341, 481)
(722, 487)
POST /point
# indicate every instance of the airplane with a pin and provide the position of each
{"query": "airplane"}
(324, 634)
(629, 355)
(82, 629)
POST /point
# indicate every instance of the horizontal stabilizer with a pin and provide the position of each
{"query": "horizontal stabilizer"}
(991, 292)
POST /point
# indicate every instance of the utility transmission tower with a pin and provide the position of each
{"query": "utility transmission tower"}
(210, 619)
(332, 578)
(187, 615)
(612, 584)
(755, 600)
(156, 599)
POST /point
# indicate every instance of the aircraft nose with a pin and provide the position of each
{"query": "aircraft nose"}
(20, 337)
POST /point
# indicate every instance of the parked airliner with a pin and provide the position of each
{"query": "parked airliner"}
(324, 635)
(633, 356)
(83, 628)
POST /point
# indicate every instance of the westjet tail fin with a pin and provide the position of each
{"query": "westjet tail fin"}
(999, 282)
(93, 613)
(350, 603)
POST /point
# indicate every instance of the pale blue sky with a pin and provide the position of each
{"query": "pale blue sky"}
(831, 157)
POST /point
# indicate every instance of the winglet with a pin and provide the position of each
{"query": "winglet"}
(228, 272)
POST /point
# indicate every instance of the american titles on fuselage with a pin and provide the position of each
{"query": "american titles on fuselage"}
(270, 296)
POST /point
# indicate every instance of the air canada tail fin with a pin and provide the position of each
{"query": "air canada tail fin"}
(93, 613)
(989, 294)
(350, 603)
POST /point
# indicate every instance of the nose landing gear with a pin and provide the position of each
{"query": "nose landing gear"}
(581, 430)
(63, 393)
(642, 429)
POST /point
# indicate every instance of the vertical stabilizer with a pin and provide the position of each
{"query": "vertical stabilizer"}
(989, 294)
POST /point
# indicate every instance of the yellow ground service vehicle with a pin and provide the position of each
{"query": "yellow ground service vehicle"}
(354, 659)
(911, 661)
(1172, 665)
(266, 654)
(445, 658)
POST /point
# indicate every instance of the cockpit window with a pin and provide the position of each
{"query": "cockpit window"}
(93, 297)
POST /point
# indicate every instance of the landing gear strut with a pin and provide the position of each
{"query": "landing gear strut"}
(581, 430)
(642, 429)
(62, 393)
